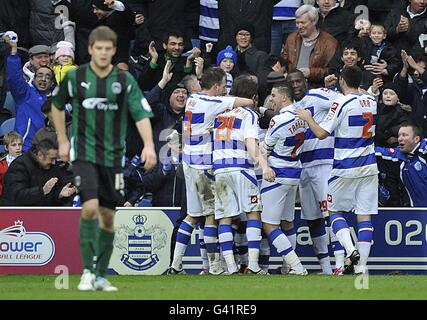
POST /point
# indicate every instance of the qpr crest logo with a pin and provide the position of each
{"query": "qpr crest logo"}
(140, 245)
(418, 166)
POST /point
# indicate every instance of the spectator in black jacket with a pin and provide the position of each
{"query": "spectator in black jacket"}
(233, 13)
(121, 22)
(405, 24)
(379, 9)
(415, 93)
(81, 12)
(168, 112)
(15, 15)
(249, 57)
(36, 179)
(391, 114)
(161, 17)
(334, 20)
(168, 115)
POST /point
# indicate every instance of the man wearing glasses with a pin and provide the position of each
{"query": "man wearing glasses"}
(249, 58)
(28, 97)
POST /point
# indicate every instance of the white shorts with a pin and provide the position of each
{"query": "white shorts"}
(358, 194)
(200, 188)
(278, 202)
(236, 192)
(313, 191)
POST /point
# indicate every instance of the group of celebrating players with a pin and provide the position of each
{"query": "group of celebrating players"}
(321, 143)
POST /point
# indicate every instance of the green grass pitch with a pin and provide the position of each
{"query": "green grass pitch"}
(239, 287)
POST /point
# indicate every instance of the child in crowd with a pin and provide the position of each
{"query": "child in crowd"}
(13, 144)
(226, 60)
(64, 60)
(382, 59)
(349, 54)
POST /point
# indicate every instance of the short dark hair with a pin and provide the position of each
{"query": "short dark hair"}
(352, 44)
(284, 89)
(174, 33)
(46, 67)
(418, 131)
(102, 33)
(244, 86)
(352, 76)
(419, 57)
(273, 59)
(211, 77)
(45, 145)
(297, 71)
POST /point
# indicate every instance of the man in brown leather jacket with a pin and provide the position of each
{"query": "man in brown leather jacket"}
(309, 49)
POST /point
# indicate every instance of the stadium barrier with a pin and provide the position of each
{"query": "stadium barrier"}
(36, 241)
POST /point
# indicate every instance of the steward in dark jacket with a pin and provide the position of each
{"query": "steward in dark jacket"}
(36, 179)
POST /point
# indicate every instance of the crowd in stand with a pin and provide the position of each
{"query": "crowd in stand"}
(166, 45)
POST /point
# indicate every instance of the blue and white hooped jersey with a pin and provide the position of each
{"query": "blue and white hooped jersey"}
(209, 21)
(229, 82)
(283, 141)
(232, 128)
(315, 151)
(353, 119)
(198, 124)
(258, 169)
(285, 9)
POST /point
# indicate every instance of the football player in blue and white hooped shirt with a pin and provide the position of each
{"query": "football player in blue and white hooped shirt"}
(316, 159)
(354, 178)
(200, 112)
(235, 152)
(283, 143)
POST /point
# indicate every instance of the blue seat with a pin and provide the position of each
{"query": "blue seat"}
(8, 126)
(9, 104)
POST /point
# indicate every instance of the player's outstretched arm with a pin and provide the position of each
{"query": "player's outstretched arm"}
(148, 154)
(318, 131)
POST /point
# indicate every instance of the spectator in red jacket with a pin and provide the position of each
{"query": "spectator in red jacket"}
(13, 145)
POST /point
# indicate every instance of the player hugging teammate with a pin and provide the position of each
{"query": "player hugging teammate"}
(222, 148)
